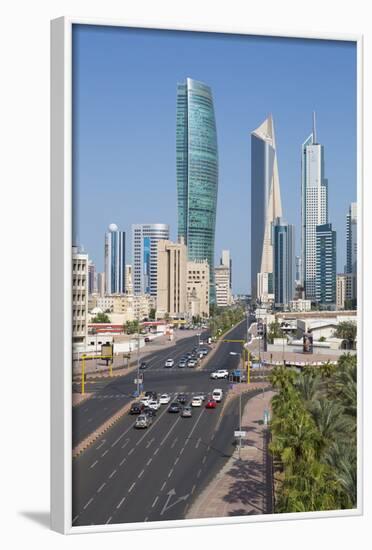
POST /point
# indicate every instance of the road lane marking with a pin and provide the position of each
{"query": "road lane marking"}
(151, 427)
(118, 439)
(102, 486)
(87, 504)
(196, 423)
(122, 462)
(150, 442)
(177, 459)
(199, 473)
(146, 518)
(109, 519)
(75, 518)
(204, 459)
(126, 443)
(101, 445)
(197, 443)
(105, 453)
(94, 463)
(149, 462)
(170, 472)
(164, 484)
(141, 474)
(155, 501)
(181, 451)
(112, 474)
(169, 432)
(156, 451)
(193, 489)
(131, 487)
(131, 451)
(120, 503)
(174, 442)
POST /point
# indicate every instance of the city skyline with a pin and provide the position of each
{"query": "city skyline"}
(112, 185)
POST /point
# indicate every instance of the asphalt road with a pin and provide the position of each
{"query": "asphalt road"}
(132, 475)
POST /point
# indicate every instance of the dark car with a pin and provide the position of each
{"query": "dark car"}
(174, 408)
(136, 408)
(149, 411)
(181, 398)
(151, 394)
(143, 365)
(147, 339)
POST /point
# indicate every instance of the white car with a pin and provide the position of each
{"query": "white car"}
(196, 402)
(153, 404)
(169, 363)
(200, 396)
(217, 395)
(191, 363)
(145, 400)
(164, 399)
(221, 373)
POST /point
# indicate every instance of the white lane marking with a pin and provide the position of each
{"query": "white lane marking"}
(122, 462)
(204, 459)
(174, 442)
(149, 462)
(146, 518)
(155, 501)
(196, 423)
(112, 474)
(193, 489)
(181, 451)
(141, 474)
(102, 486)
(198, 443)
(118, 439)
(198, 474)
(151, 427)
(131, 487)
(101, 445)
(105, 453)
(89, 502)
(169, 432)
(156, 451)
(177, 459)
(120, 503)
(75, 518)
(126, 443)
(131, 451)
(109, 519)
(164, 484)
(170, 472)
(94, 463)
(150, 442)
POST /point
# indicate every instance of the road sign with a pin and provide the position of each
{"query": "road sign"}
(239, 433)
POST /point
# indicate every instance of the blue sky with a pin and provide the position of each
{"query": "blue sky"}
(124, 117)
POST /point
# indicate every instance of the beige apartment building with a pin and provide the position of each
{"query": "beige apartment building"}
(131, 306)
(79, 298)
(197, 286)
(171, 278)
(345, 288)
(222, 284)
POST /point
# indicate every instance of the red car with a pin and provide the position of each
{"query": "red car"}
(211, 404)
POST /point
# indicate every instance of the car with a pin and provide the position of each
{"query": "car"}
(191, 363)
(182, 364)
(201, 395)
(188, 355)
(143, 421)
(196, 401)
(149, 411)
(181, 398)
(147, 339)
(164, 399)
(174, 408)
(152, 394)
(200, 355)
(136, 408)
(211, 404)
(145, 400)
(154, 404)
(143, 365)
(169, 363)
(186, 412)
(204, 351)
(217, 395)
(220, 373)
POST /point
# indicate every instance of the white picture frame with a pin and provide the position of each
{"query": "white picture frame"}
(61, 242)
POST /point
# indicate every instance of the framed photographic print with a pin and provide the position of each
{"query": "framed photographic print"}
(206, 290)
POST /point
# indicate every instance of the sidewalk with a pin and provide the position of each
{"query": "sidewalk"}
(243, 486)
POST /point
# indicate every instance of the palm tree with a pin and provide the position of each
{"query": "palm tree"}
(308, 385)
(282, 377)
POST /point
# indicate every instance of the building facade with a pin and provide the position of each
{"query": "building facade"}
(300, 305)
(227, 262)
(128, 279)
(298, 274)
(198, 286)
(92, 278)
(197, 171)
(345, 290)
(222, 285)
(132, 307)
(351, 239)
(79, 299)
(114, 260)
(283, 262)
(314, 208)
(325, 289)
(171, 279)
(145, 239)
(265, 207)
(101, 286)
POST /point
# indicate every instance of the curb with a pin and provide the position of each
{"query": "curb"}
(83, 445)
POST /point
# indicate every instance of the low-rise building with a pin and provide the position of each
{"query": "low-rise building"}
(345, 289)
(197, 282)
(300, 305)
(79, 298)
(131, 306)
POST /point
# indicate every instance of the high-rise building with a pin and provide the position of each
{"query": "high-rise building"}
(351, 239)
(222, 285)
(265, 207)
(325, 288)
(171, 279)
(314, 207)
(101, 284)
(114, 260)
(197, 171)
(227, 262)
(283, 262)
(298, 274)
(145, 239)
(79, 299)
(128, 279)
(92, 278)
(198, 286)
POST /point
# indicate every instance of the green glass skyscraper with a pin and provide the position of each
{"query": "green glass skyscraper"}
(197, 171)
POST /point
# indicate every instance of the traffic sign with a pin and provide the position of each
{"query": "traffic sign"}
(239, 433)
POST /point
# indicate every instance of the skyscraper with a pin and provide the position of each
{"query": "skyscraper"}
(92, 278)
(227, 262)
(114, 260)
(283, 262)
(265, 207)
(197, 171)
(314, 208)
(325, 287)
(351, 239)
(145, 239)
(298, 276)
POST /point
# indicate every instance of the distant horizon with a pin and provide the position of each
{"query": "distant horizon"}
(124, 129)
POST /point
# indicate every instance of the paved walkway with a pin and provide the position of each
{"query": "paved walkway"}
(243, 486)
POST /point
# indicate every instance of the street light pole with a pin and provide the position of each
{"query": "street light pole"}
(138, 354)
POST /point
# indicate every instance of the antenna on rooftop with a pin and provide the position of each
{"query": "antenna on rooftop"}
(314, 127)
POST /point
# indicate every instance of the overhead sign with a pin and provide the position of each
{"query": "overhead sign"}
(239, 433)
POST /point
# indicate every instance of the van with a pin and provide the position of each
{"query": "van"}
(217, 395)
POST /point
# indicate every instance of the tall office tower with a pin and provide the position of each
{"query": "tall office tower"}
(79, 298)
(197, 171)
(351, 239)
(115, 260)
(145, 239)
(298, 274)
(325, 288)
(171, 279)
(265, 207)
(283, 262)
(314, 209)
(227, 262)
(92, 278)
(101, 284)
(128, 279)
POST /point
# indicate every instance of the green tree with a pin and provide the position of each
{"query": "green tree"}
(101, 318)
(152, 313)
(347, 330)
(274, 332)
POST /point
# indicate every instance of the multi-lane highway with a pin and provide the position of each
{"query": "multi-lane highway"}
(131, 475)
